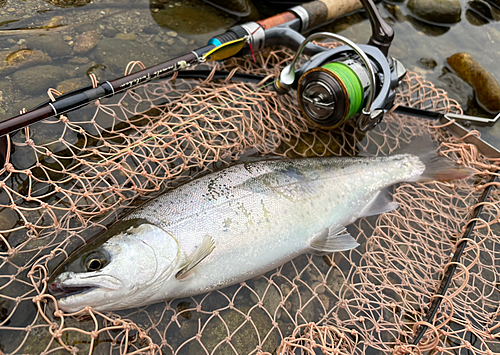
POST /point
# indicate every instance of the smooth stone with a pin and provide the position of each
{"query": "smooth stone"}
(53, 44)
(195, 17)
(71, 84)
(86, 41)
(474, 19)
(151, 30)
(36, 80)
(485, 85)
(438, 11)
(68, 3)
(117, 53)
(53, 22)
(427, 63)
(11, 61)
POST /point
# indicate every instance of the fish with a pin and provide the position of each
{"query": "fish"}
(238, 223)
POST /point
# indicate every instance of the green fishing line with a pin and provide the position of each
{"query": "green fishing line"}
(351, 81)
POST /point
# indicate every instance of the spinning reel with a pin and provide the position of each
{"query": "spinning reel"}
(348, 82)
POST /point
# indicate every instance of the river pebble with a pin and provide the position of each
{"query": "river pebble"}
(86, 41)
(71, 84)
(439, 11)
(428, 63)
(54, 45)
(37, 80)
(485, 85)
(68, 3)
(11, 61)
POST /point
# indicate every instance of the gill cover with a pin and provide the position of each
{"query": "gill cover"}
(137, 259)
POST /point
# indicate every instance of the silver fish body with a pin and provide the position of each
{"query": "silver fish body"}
(244, 220)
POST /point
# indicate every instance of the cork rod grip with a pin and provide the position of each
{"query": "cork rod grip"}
(277, 20)
(322, 11)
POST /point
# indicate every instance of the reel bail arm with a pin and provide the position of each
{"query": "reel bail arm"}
(342, 83)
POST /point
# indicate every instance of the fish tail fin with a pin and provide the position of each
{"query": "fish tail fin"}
(437, 167)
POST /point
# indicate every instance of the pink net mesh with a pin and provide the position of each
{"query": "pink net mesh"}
(68, 179)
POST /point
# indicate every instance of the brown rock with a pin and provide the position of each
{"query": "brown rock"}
(12, 61)
(485, 85)
(71, 84)
(86, 41)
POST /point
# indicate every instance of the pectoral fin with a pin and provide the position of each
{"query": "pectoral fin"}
(206, 247)
(333, 239)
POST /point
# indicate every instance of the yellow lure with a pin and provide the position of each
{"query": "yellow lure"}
(225, 50)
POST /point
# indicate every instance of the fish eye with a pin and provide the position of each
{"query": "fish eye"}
(94, 261)
(93, 264)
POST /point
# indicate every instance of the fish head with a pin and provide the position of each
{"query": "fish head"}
(121, 273)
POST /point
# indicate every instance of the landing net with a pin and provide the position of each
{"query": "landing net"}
(69, 178)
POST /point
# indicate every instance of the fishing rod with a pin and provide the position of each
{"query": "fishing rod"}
(284, 29)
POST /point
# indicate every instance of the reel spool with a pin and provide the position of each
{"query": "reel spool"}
(333, 93)
(344, 83)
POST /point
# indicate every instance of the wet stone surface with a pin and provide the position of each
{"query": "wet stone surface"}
(485, 85)
(439, 11)
(38, 79)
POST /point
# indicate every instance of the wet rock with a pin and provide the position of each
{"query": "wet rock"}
(427, 63)
(485, 85)
(485, 10)
(116, 53)
(54, 45)
(395, 11)
(6, 19)
(12, 61)
(37, 80)
(71, 84)
(245, 340)
(68, 3)
(475, 19)
(439, 11)
(151, 30)
(193, 17)
(426, 28)
(86, 41)
(55, 21)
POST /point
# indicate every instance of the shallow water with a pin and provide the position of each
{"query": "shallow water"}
(129, 30)
(153, 31)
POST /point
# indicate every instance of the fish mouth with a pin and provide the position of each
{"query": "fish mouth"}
(58, 290)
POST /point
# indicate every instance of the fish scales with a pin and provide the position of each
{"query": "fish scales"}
(235, 224)
(277, 205)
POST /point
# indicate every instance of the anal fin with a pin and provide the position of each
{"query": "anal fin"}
(333, 239)
(205, 249)
(381, 203)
